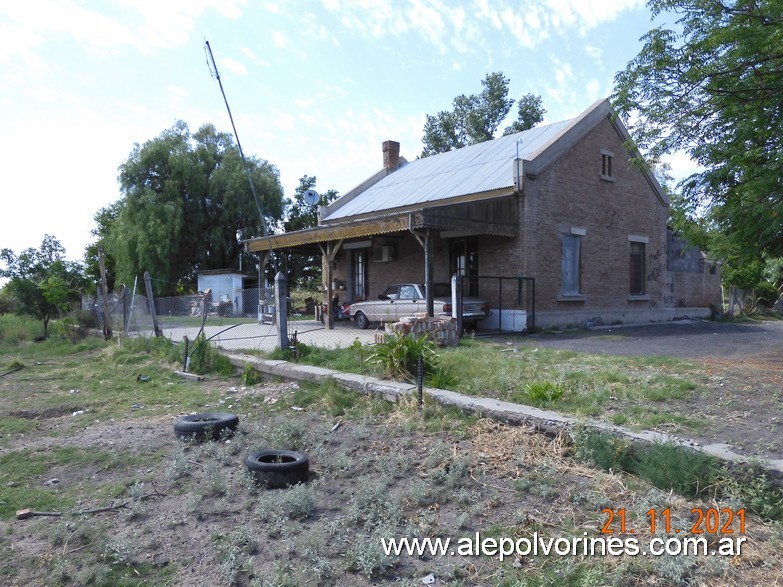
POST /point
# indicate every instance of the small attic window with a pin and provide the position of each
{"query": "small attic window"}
(606, 165)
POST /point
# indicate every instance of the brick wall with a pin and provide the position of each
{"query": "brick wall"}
(570, 197)
(695, 290)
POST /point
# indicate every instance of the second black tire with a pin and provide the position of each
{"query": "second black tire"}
(210, 426)
(278, 468)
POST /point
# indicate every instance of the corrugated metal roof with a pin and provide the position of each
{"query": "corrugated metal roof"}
(475, 169)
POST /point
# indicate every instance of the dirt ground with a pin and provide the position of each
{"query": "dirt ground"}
(738, 366)
(383, 473)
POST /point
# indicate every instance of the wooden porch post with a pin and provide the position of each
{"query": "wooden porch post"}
(428, 273)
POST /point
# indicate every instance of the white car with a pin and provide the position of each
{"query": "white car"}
(406, 299)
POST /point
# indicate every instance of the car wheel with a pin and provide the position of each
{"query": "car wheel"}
(361, 320)
(278, 468)
(200, 427)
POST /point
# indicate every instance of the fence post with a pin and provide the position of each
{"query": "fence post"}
(151, 302)
(125, 314)
(456, 301)
(281, 308)
(104, 296)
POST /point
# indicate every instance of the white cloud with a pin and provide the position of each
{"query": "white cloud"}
(279, 39)
(234, 66)
(250, 54)
(595, 53)
(594, 90)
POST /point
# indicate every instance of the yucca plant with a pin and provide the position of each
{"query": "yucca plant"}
(399, 355)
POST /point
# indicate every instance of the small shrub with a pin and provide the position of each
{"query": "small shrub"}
(294, 503)
(15, 365)
(16, 329)
(399, 355)
(251, 376)
(441, 379)
(234, 550)
(542, 392)
(754, 490)
(205, 359)
(668, 466)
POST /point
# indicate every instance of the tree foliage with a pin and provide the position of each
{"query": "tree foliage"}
(186, 201)
(41, 282)
(104, 220)
(304, 269)
(713, 87)
(476, 118)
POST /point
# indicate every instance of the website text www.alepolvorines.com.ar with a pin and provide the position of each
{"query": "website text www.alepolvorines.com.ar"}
(536, 545)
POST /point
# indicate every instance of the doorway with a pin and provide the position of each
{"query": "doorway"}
(464, 261)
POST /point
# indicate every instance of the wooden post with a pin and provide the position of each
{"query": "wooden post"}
(151, 302)
(104, 296)
(281, 308)
(329, 322)
(428, 274)
(456, 301)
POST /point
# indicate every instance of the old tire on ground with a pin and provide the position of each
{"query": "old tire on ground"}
(278, 468)
(361, 320)
(211, 426)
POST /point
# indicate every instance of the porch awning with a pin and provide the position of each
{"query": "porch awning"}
(496, 216)
(322, 234)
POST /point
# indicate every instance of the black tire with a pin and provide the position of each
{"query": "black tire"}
(361, 320)
(199, 427)
(278, 468)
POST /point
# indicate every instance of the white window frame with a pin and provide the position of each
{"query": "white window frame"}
(607, 162)
(570, 264)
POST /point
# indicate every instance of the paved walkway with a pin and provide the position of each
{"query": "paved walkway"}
(263, 337)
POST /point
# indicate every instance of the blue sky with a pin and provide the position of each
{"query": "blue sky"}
(315, 86)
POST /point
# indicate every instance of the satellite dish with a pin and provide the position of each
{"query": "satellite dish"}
(312, 197)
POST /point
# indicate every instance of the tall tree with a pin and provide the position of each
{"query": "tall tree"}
(42, 283)
(304, 269)
(476, 118)
(530, 112)
(713, 87)
(186, 199)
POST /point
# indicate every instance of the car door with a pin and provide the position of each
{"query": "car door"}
(409, 302)
(385, 309)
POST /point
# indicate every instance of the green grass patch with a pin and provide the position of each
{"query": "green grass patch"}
(18, 329)
(575, 383)
(671, 467)
(23, 475)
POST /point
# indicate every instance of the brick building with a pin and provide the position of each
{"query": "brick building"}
(560, 203)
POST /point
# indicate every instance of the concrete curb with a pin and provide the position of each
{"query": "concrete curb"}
(545, 421)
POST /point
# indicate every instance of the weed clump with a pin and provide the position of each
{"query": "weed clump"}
(399, 354)
(205, 359)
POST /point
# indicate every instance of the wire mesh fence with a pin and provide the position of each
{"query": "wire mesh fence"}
(251, 320)
(512, 304)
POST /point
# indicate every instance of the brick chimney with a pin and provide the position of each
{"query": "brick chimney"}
(391, 155)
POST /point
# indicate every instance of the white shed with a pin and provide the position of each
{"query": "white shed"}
(226, 286)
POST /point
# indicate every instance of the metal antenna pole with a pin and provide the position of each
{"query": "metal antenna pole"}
(264, 231)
